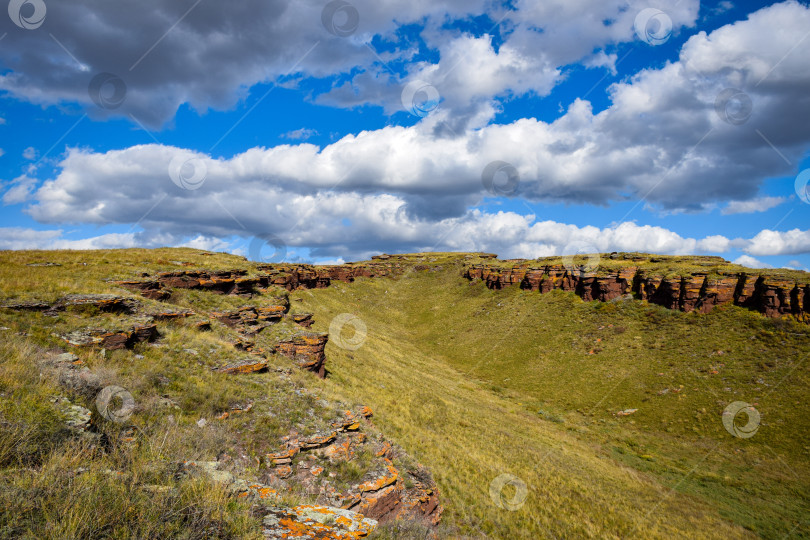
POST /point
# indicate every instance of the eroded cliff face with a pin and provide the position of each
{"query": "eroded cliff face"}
(307, 349)
(695, 291)
(237, 282)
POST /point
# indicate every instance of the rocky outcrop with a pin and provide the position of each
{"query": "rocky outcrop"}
(384, 494)
(307, 349)
(244, 367)
(250, 316)
(302, 319)
(225, 282)
(318, 277)
(112, 339)
(696, 291)
(237, 282)
(108, 303)
(148, 289)
(319, 522)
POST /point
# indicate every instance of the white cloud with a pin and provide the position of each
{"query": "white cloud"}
(714, 244)
(379, 226)
(20, 190)
(750, 262)
(279, 35)
(769, 242)
(762, 204)
(30, 153)
(24, 238)
(300, 134)
(661, 140)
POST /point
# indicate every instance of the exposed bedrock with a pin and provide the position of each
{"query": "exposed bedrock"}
(236, 282)
(698, 291)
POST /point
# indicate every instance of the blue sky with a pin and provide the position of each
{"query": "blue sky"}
(336, 130)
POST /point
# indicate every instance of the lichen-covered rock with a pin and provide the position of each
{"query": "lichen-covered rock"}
(316, 522)
(102, 302)
(112, 339)
(151, 289)
(302, 319)
(244, 367)
(307, 349)
(29, 305)
(226, 282)
(76, 417)
(245, 317)
(384, 493)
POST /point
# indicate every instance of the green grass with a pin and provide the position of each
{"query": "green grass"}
(479, 383)
(57, 484)
(669, 266)
(472, 383)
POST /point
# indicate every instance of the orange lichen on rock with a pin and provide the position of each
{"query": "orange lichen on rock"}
(307, 349)
(380, 481)
(384, 450)
(243, 367)
(316, 522)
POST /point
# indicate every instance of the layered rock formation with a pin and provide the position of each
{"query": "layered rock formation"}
(108, 303)
(307, 349)
(237, 282)
(384, 494)
(318, 277)
(112, 339)
(696, 291)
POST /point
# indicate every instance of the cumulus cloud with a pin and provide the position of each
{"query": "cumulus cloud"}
(509, 234)
(668, 137)
(168, 54)
(24, 238)
(769, 242)
(762, 204)
(19, 190)
(473, 75)
(750, 262)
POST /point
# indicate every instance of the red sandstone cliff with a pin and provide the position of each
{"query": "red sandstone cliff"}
(697, 291)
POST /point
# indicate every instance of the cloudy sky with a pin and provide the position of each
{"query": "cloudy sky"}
(333, 130)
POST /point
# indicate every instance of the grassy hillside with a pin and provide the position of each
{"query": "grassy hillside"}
(481, 383)
(473, 383)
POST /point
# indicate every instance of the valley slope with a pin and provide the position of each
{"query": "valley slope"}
(537, 413)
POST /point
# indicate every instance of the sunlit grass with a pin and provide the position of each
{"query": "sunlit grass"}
(473, 383)
(481, 383)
